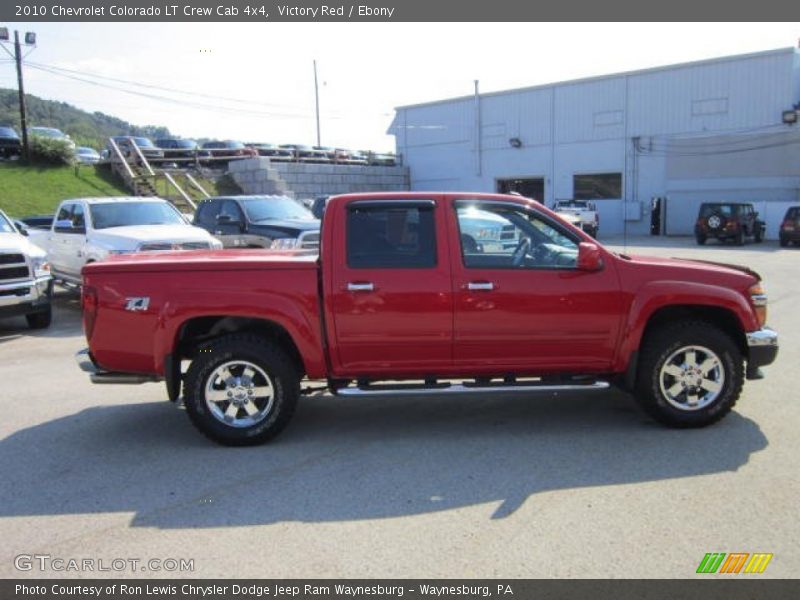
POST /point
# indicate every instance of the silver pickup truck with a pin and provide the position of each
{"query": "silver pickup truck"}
(26, 286)
(581, 213)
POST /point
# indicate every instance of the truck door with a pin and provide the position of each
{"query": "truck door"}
(390, 289)
(524, 305)
(64, 242)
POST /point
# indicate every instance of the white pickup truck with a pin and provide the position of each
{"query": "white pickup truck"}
(87, 230)
(25, 282)
(581, 213)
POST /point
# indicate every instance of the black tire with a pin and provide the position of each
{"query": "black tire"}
(758, 236)
(40, 320)
(278, 370)
(738, 239)
(701, 240)
(784, 242)
(664, 346)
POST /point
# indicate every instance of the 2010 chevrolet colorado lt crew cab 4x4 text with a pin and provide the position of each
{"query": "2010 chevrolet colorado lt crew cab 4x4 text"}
(400, 300)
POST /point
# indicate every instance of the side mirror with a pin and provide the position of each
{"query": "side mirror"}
(224, 220)
(589, 257)
(66, 226)
(22, 229)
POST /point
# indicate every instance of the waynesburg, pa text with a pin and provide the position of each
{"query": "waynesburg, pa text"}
(176, 10)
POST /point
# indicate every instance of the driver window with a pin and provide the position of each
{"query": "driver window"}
(231, 210)
(502, 237)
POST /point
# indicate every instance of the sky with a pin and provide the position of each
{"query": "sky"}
(255, 82)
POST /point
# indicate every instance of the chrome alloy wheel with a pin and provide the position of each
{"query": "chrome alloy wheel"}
(691, 378)
(239, 394)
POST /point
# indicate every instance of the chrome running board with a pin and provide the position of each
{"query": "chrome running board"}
(460, 388)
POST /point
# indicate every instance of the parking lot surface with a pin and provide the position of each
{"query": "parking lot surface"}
(537, 486)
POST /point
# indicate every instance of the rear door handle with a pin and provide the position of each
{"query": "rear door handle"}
(360, 287)
(480, 286)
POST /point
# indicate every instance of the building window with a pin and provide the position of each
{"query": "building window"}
(597, 186)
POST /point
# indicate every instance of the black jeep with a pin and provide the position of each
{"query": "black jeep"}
(728, 221)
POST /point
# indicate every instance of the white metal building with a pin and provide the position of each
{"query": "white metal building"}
(703, 131)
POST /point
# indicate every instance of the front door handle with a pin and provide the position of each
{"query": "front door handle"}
(360, 287)
(480, 286)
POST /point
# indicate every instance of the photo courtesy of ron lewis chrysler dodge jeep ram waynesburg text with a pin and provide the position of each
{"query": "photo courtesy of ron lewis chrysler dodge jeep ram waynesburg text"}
(400, 300)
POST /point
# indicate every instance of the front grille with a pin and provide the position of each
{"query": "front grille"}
(162, 246)
(17, 292)
(7, 273)
(10, 259)
(310, 241)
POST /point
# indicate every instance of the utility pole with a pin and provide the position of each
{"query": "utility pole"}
(22, 116)
(316, 99)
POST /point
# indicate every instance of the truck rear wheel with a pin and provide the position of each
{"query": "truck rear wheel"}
(690, 374)
(241, 390)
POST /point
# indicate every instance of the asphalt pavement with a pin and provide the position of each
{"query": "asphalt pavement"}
(509, 487)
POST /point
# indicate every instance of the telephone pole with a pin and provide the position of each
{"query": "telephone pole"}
(316, 100)
(22, 116)
(30, 40)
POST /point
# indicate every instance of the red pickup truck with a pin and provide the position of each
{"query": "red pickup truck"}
(424, 293)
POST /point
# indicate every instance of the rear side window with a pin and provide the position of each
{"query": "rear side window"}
(207, 213)
(391, 236)
(64, 213)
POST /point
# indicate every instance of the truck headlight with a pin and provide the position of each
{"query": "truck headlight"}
(284, 244)
(41, 268)
(759, 299)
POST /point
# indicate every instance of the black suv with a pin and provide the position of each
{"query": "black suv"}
(790, 227)
(10, 144)
(728, 221)
(276, 222)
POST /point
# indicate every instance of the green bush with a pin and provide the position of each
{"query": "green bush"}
(51, 151)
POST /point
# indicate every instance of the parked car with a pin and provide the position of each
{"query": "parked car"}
(272, 151)
(318, 206)
(52, 133)
(790, 227)
(350, 157)
(87, 156)
(125, 143)
(25, 282)
(38, 221)
(380, 159)
(728, 221)
(10, 144)
(276, 222)
(581, 213)
(304, 153)
(392, 302)
(183, 152)
(228, 149)
(87, 230)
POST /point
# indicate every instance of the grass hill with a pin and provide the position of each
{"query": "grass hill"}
(87, 129)
(33, 190)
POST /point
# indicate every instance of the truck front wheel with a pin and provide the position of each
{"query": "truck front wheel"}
(690, 374)
(241, 390)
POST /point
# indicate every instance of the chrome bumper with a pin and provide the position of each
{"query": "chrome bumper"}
(762, 337)
(22, 292)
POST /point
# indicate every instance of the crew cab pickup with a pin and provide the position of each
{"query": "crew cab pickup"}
(86, 230)
(398, 302)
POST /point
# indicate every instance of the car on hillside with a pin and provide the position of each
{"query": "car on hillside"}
(10, 144)
(51, 133)
(87, 156)
(272, 151)
(128, 144)
(789, 232)
(25, 282)
(276, 222)
(305, 153)
(87, 230)
(182, 151)
(228, 149)
(728, 221)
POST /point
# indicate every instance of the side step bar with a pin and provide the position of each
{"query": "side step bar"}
(97, 375)
(460, 388)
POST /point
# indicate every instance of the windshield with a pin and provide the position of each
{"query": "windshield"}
(234, 145)
(5, 225)
(121, 214)
(140, 141)
(264, 209)
(185, 143)
(83, 150)
(8, 132)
